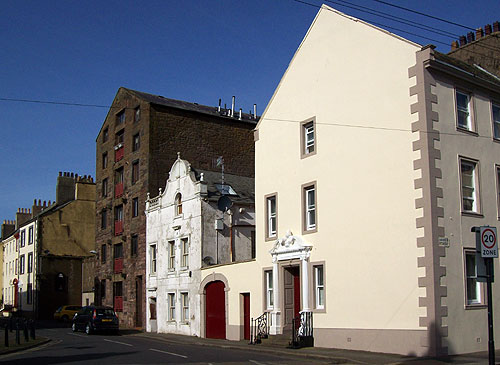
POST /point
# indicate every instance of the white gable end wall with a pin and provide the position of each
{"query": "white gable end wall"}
(353, 79)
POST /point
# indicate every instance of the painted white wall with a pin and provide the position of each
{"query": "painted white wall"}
(163, 225)
(353, 78)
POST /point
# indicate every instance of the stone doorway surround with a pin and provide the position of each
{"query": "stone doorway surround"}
(289, 248)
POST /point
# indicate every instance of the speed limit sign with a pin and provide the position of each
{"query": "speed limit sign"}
(489, 243)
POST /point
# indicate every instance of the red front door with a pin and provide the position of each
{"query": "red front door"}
(215, 310)
(246, 316)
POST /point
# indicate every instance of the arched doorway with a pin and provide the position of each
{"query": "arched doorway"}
(215, 310)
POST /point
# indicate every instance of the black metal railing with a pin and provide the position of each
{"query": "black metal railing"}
(259, 328)
(302, 330)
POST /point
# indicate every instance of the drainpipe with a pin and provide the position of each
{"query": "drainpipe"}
(231, 252)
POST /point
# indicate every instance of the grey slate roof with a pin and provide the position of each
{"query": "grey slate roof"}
(242, 185)
(475, 71)
(194, 107)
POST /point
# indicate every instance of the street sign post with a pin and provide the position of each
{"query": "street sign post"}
(487, 245)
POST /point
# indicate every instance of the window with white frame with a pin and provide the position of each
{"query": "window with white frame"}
(473, 292)
(464, 119)
(152, 253)
(309, 207)
(309, 140)
(319, 287)
(30, 235)
(171, 306)
(30, 262)
(21, 264)
(268, 277)
(185, 253)
(178, 204)
(495, 110)
(185, 307)
(23, 237)
(271, 216)
(171, 255)
(470, 186)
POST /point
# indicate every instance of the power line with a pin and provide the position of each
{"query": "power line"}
(423, 14)
(399, 29)
(56, 103)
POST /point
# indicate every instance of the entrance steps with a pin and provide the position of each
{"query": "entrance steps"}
(277, 340)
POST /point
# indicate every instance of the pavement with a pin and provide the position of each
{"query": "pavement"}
(328, 355)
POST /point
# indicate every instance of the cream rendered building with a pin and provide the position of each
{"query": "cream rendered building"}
(374, 158)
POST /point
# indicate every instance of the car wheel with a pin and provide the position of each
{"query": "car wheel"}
(73, 327)
(88, 329)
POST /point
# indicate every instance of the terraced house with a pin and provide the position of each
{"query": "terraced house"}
(135, 148)
(384, 154)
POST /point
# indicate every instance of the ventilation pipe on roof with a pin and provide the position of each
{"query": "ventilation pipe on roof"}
(232, 106)
(240, 115)
(218, 109)
(255, 111)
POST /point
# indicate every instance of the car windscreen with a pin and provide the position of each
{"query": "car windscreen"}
(104, 312)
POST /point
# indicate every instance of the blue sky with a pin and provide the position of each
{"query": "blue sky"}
(200, 51)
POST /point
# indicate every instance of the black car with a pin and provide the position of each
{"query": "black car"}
(93, 318)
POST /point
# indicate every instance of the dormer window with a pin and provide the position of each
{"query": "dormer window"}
(178, 204)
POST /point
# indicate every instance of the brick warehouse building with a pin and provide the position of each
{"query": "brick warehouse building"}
(135, 148)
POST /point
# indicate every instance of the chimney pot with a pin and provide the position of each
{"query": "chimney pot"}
(496, 26)
(487, 29)
(454, 45)
(479, 33)
(462, 40)
(470, 37)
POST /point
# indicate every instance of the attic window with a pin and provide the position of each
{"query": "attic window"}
(225, 189)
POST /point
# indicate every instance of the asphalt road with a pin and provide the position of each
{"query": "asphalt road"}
(67, 347)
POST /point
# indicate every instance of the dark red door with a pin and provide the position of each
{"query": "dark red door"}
(215, 313)
(246, 316)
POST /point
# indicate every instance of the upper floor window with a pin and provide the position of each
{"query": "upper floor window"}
(178, 204)
(21, 264)
(30, 235)
(135, 142)
(185, 253)
(135, 171)
(104, 219)
(104, 188)
(495, 110)
(104, 160)
(171, 255)
(30, 262)
(119, 137)
(23, 238)
(103, 254)
(137, 114)
(271, 216)
(309, 207)
(464, 115)
(308, 138)
(135, 207)
(470, 186)
(134, 243)
(152, 253)
(105, 134)
(120, 117)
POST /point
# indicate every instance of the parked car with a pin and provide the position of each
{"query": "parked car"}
(66, 312)
(95, 318)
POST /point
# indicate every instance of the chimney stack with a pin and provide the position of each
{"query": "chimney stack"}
(479, 33)
(487, 29)
(8, 228)
(496, 26)
(22, 216)
(65, 188)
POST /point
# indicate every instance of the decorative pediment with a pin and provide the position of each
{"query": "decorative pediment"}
(290, 247)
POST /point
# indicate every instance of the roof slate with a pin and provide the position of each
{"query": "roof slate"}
(244, 186)
(194, 107)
